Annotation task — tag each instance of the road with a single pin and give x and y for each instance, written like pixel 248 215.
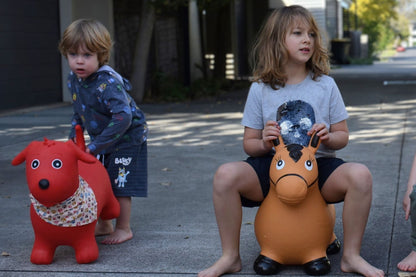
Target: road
pixel 175 228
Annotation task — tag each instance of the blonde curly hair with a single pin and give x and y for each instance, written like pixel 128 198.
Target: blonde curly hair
pixel 88 33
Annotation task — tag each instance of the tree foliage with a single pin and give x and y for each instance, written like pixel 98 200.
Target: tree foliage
pixel 375 19
pixel 375 10
pixel 401 27
pixel 407 9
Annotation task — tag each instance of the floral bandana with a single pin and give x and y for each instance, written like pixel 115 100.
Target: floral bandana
pixel 79 209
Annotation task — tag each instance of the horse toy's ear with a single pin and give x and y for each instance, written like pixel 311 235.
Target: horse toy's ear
pixel 314 142
pixel 278 142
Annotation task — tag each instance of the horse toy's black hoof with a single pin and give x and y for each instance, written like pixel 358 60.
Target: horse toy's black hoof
pixel 317 267
pixel 334 247
pixel 266 266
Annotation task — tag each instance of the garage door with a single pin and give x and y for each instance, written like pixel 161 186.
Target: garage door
pixel 30 70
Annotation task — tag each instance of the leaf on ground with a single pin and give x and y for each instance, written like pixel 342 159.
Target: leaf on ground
pixel 407 274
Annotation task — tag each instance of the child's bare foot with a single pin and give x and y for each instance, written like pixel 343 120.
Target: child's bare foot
pixel 357 264
pixel 222 266
pixel 408 263
pixel 118 236
pixel 103 228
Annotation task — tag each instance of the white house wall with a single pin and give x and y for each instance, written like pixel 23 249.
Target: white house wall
pixel 316 7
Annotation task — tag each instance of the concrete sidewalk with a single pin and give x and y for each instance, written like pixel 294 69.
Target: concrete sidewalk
pixel 175 228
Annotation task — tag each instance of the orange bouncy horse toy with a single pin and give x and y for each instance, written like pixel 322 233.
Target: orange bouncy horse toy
pixel 294 225
pixel 69 191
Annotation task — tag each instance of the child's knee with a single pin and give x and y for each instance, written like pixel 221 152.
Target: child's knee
pixel 361 177
pixel 362 172
pixel 224 176
pixel 223 172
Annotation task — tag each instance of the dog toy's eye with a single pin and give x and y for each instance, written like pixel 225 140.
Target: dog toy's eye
pixel 57 164
pixel 35 164
pixel 280 164
pixel 309 165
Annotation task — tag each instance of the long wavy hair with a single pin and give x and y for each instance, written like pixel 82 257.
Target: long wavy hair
pixel 269 53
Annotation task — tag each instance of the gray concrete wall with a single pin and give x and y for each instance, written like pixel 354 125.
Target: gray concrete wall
pixel 71 10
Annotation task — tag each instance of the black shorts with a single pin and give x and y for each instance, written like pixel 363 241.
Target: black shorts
pixel 262 166
pixel 127 169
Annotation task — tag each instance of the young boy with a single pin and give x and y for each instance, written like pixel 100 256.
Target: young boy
pixel 116 126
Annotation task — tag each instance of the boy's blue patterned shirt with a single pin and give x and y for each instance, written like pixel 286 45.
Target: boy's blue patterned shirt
pixel 103 107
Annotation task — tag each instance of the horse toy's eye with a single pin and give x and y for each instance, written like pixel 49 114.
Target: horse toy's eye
pixel 57 164
pixel 35 164
pixel 309 165
pixel 280 164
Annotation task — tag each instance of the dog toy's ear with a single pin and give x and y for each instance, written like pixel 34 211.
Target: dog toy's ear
pixel 21 157
pixel 81 155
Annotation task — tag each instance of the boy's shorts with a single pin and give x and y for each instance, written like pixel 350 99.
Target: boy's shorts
pixel 262 166
pixel 127 169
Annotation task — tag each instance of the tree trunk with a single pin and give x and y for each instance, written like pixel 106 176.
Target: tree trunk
pixel 222 40
pixel 141 52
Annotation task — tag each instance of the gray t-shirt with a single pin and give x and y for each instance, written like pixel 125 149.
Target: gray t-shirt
pixel 323 95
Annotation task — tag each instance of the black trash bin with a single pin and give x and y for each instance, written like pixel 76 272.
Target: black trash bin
pixel 340 49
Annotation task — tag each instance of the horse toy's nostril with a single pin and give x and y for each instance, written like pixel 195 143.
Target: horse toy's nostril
pixel 44 184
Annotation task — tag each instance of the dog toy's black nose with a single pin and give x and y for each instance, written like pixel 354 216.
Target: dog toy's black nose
pixel 44 184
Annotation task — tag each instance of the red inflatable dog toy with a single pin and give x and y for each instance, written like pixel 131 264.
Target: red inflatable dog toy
pixel 69 190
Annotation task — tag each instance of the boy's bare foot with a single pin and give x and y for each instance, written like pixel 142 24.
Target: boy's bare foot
pixel 118 236
pixel 103 228
pixel 408 263
pixel 222 266
pixel 357 264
